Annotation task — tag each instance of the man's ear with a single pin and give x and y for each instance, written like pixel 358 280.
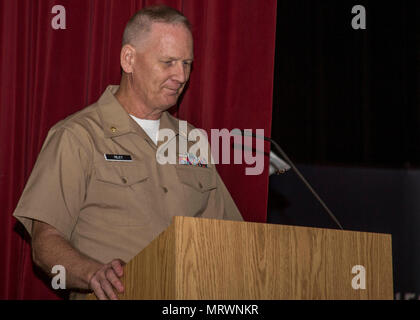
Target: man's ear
pixel 127 57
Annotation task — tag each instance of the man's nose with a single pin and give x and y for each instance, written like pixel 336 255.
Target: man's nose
pixel 180 72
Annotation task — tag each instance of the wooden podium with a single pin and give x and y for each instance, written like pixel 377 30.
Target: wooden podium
pixel 197 258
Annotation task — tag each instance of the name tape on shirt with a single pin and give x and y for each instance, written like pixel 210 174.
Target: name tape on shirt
pixel 117 157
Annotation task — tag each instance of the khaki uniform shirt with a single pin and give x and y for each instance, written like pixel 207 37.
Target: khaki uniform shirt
pixel 113 209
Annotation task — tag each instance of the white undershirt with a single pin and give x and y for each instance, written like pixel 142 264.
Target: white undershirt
pixel 151 127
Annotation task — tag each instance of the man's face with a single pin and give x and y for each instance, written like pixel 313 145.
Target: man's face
pixel 162 65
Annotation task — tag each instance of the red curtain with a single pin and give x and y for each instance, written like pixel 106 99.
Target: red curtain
pixel 48 74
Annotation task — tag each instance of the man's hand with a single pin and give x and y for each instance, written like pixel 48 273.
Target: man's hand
pixel 106 279
pixel 50 248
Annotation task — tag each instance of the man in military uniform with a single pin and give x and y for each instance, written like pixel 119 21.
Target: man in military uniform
pixel 97 194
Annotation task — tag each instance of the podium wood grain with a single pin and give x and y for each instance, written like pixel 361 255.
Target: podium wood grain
pixel 198 258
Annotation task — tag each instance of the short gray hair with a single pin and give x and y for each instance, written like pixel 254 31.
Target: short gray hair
pixel 141 21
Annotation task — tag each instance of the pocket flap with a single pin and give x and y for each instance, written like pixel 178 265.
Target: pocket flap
pixel 201 179
pixel 123 175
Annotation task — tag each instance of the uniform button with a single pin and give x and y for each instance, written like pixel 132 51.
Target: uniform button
pixel 124 180
pixel 113 129
pixel 165 189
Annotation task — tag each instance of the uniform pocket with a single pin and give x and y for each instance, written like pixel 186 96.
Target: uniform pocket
pixel 123 175
pixel 121 194
pixel 197 184
pixel 200 179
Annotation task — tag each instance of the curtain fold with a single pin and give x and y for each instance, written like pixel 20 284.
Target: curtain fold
pixel 48 74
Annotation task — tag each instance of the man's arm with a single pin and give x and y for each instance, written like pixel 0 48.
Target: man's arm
pixel 49 248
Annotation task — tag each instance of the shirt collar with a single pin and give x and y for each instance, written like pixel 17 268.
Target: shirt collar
pixel 116 121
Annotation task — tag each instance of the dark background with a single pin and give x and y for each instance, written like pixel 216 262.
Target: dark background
pixel 346 111
pixel 346 96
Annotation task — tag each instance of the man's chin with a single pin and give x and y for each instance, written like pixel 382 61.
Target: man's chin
pixel 171 100
pixel 168 104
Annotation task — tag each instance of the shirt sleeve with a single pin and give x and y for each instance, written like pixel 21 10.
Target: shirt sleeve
pixel 56 187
